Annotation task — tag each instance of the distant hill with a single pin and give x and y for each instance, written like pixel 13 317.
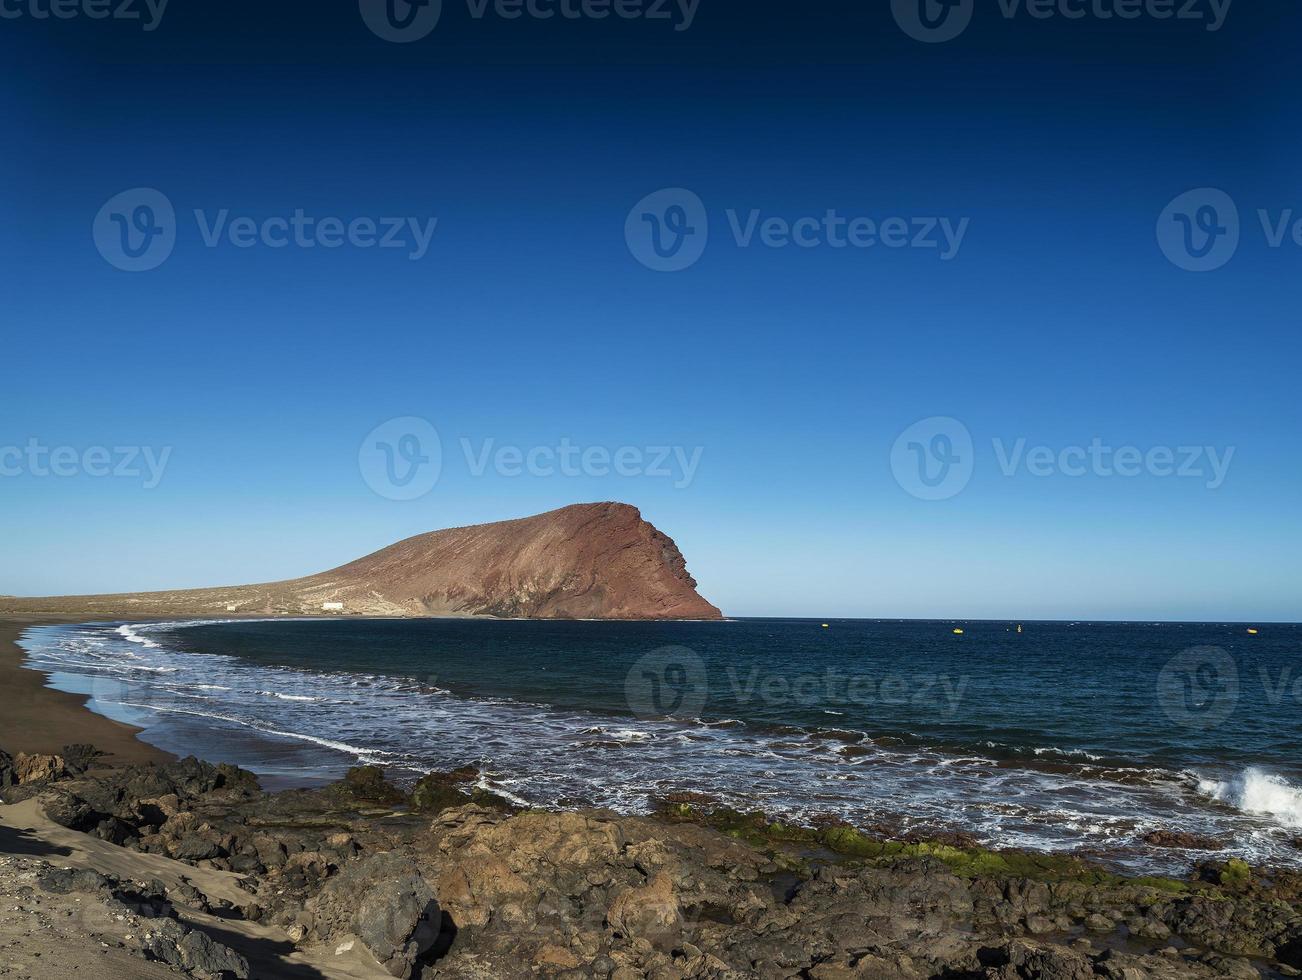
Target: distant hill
pixel 586 561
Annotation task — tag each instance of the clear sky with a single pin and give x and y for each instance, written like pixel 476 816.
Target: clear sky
pixel 529 319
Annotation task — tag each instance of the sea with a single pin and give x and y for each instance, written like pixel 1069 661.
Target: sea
pixel 1050 736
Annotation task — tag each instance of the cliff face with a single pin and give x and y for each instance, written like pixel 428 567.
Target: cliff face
pixel 587 561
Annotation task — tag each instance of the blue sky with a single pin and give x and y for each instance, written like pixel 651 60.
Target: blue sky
pixel 529 321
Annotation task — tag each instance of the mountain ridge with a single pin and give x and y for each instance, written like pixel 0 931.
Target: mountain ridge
pixel 585 561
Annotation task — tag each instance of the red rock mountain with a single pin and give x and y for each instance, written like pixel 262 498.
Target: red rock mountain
pixel 586 561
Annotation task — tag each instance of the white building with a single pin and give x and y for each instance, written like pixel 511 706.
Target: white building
pixel 332 606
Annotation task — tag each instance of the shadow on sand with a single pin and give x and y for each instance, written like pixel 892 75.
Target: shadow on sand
pixel 16 841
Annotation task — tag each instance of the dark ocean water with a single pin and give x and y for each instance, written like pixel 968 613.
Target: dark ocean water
pixel 1059 736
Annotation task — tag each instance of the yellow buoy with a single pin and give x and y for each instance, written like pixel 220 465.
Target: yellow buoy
pixel 826 626
pixel 1252 632
pixel 958 632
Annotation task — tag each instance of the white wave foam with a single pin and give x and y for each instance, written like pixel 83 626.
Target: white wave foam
pixel 363 754
pixel 1069 753
pixel 483 784
pixel 289 697
pixel 1260 792
pixel 129 634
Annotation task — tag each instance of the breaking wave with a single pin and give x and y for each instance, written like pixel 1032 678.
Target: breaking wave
pixel 1259 792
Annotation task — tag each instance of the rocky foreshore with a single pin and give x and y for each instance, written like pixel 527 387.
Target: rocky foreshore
pixel 444 880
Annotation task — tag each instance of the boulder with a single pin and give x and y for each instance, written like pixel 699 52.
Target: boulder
pixel 193 951
pixel 382 902
pixel 29 769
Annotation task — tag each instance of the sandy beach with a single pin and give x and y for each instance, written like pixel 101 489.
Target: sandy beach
pixel 36 719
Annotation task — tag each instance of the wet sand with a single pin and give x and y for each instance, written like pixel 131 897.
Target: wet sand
pixel 34 718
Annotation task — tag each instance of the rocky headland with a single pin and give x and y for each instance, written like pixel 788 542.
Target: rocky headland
pixel 586 561
pixel 192 867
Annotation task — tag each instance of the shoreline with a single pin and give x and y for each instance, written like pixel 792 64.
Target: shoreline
pixel 635 891
pixel 40 720
pixel 44 720
pixel 444 881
